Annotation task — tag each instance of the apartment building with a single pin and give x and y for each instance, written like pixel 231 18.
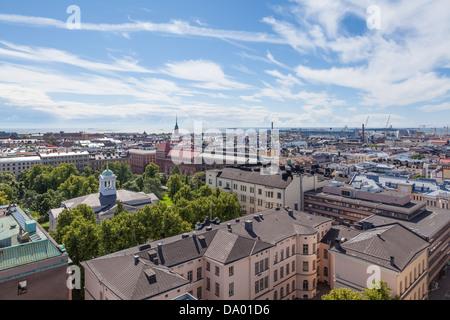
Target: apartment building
pixel 432 225
pixel 140 159
pixel 352 258
pixel 18 164
pixel 346 203
pixel 79 159
pixel 433 193
pixel 97 161
pixel 271 255
pixel 258 191
pixel 32 265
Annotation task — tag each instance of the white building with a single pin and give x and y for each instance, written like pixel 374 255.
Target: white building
pixel 18 164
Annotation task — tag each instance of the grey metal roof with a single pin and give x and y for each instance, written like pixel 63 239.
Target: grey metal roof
pixel 379 244
pixel 428 223
pixel 130 279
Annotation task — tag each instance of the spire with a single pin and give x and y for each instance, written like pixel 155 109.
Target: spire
pixel 176 123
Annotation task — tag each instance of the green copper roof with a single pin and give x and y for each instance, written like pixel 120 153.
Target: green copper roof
pixel 107 173
pixel 30 252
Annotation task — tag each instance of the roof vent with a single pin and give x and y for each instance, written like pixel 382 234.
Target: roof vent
pixel 237 220
pixel 229 225
pixel 208 228
pixel 249 225
pixel 184 235
pixel 136 259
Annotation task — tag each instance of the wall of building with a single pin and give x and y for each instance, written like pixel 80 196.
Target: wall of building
pixel 50 284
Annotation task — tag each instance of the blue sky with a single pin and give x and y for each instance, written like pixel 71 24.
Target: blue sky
pixel 133 65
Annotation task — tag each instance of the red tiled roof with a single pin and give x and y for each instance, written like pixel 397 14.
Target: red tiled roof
pixel 165 146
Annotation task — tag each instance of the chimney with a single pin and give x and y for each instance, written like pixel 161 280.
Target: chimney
pixel 249 225
pixel 296 206
pixel 260 216
pixel 291 212
pixel 136 259
pixel 392 261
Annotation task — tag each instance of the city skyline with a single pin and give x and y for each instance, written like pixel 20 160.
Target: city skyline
pixel 135 66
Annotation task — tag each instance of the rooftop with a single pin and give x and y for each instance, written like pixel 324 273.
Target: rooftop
pixel 22 241
pixel 226 242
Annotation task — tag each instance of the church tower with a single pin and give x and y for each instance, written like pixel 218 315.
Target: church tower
pixel 176 131
pixel 107 185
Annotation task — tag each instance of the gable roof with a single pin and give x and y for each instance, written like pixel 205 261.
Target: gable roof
pixel 380 244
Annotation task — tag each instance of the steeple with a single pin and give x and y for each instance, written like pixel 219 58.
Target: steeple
pixel 176 123
pixel 107 183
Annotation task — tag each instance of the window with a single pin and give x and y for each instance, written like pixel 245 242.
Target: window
pixel 314 248
pixel 293 285
pixel 199 293
pixel 281 292
pixel 281 272
pixel 275 295
pixel 305 285
pixel 325 253
pixel 22 288
pixel 231 289
pixel 325 271
pixel 288 288
pixel 231 271
pixel 279 195
pixel 287 269
pixel 208 284
pixel 189 275
pixel 282 255
pixel 314 265
pixel 217 271
pixel 293 266
pixel 220 183
pixel 305 266
pixel 260 191
pixel 275 276
pixel 217 291
pixel 305 249
pixel 208 266
pixel 293 249
pixel 287 252
pixel 275 260
pixel 199 273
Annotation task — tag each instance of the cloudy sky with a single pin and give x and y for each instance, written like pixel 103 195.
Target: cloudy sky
pixel 134 65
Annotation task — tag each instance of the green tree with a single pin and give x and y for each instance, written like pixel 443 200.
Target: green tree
pixel 342 294
pixel 46 201
pixel 379 291
pixel 123 231
pixel 153 185
pixel 77 186
pixel 174 185
pixel 120 208
pixel 151 170
pixel 82 240
pixel 122 171
pixel 66 217
pixel 175 170
pixel 184 193
pixel 198 180
pixel 3 199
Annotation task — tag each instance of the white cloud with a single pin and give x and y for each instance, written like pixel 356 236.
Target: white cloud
pixel 206 74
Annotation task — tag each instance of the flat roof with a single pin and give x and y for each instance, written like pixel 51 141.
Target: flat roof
pixel 428 223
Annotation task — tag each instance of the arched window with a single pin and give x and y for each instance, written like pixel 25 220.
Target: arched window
pixel 288 288
pixel 275 295
pixel 305 285
pixel 281 293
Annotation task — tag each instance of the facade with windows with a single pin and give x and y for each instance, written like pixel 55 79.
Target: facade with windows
pixel 271 256
pixel 257 191
pixel 18 164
